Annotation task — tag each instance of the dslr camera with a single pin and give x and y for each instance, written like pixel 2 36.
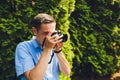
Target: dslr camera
pixel 64 38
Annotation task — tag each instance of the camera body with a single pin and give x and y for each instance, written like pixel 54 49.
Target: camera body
pixel 64 38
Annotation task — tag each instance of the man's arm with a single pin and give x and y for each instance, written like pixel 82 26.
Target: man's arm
pixel 63 64
pixel 37 73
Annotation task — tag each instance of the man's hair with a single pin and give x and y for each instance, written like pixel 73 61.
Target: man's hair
pixel 41 18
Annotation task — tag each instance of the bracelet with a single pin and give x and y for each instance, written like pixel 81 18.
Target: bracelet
pixel 58 51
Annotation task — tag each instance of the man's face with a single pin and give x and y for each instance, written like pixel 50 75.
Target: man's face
pixel 44 30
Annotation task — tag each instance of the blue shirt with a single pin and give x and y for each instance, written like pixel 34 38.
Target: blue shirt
pixel 27 55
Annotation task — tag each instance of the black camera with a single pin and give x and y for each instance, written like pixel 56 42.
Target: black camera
pixel 64 38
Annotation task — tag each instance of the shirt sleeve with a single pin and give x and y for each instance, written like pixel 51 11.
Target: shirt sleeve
pixel 23 60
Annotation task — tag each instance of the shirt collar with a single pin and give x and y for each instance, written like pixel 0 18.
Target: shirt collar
pixel 35 43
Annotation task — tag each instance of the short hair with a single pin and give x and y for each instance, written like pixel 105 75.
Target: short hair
pixel 41 18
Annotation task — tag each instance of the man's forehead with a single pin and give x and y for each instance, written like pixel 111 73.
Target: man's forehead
pixel 48 27
pixel 46 31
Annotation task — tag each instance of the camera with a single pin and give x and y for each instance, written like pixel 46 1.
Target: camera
pixel 64 38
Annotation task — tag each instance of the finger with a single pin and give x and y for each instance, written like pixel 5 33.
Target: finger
pixel 58 37
pixel 58 45
pixel 54 36
pixel 58 41
pixel 49 34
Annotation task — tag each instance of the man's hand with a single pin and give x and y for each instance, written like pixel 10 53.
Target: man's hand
pixel 58 46
pixel 54 41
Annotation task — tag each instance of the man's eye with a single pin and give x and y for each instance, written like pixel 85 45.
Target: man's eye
pixel 46 33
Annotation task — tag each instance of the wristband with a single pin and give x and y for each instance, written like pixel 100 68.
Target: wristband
pixel 58 51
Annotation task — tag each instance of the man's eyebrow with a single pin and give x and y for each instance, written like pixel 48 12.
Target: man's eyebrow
pixel 46 32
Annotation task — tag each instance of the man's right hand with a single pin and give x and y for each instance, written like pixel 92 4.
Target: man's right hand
pixel 51 41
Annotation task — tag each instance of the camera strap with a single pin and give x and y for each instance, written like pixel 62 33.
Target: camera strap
pixel 51 57
pixel 43 43
pixel 52 51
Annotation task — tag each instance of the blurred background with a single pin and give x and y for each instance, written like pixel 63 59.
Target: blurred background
pixel 93 27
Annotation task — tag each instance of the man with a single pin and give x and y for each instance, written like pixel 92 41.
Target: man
pixel 41 58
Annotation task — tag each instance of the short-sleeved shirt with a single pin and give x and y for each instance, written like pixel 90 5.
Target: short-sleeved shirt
pixel 26 57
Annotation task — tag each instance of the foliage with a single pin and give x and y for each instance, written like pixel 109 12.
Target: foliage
pixel 94 33
pixel 116 44
pixel 92 28
pixel 15 16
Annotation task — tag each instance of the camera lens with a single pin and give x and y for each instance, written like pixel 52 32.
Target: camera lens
pixel 64 38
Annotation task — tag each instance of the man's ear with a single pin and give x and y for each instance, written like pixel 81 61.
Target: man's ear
pixel 34 30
